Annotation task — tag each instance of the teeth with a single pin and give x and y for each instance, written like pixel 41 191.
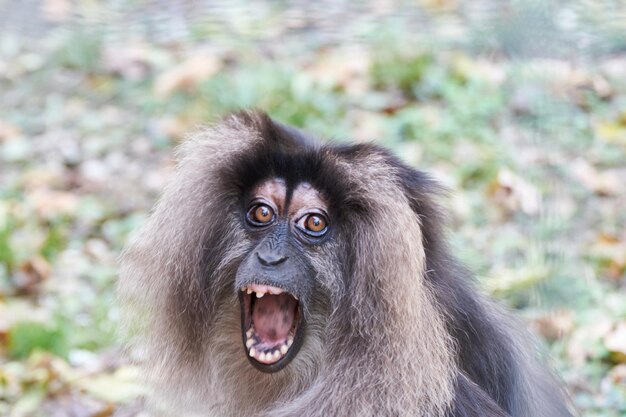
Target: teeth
pixel 249 343
pixel 250 332
pixel 262 356
pixel 289 341
pixel 276 355
pixel 284 349
pixel 252 352
pixel 264 290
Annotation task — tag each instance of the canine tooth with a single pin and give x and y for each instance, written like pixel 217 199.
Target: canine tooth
pixel 249 343
pixel 259 294
pixel 289 341
pixel 252 352
pixel 284 349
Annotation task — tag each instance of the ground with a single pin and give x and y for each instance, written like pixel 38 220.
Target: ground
pixel 520 110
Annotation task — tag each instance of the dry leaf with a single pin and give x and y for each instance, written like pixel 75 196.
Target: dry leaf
pixel 56 10
pixel 439 5
pixel 581 346
pixel 615 342
pixel 120 387
pixel 554 325
pixel 515 193
pixel 600 182
pixel 107 411
pixel 49 203
pixel 612 250
pixel 613 130
pixel 602 87
pixel 131 62
pixel 22 310
pixel 482 69
pixel 618 374
pixel 8 131
pixel 188 74
pixel 346 67
pixel 32 273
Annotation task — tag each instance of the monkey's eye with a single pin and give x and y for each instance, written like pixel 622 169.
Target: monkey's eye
pixel 260 215
pixel 313 224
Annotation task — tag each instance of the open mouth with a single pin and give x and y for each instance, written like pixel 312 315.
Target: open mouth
pixel 271 323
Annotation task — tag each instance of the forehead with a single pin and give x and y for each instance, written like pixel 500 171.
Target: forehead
pixel 294 197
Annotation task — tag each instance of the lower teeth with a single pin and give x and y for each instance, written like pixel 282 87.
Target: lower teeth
pixel 271 355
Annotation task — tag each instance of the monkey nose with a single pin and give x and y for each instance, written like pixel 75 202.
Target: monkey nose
pixel 268 258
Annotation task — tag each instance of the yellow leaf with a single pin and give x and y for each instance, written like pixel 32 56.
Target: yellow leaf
pixel 120 387
pixel 612 131
pixel 187 75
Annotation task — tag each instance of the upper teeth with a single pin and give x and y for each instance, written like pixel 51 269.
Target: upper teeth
pixel 261 290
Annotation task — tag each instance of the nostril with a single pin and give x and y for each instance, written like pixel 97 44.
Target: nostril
pixel 271 259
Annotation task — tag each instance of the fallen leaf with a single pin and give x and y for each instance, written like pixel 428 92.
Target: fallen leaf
pixel 347 67
pixel 8 131
pixel 602 87
pixel 119 387
pixel 105 412
pixel 514 193
pixel 31 275
pixel 51 203
pixel 131 62
pixel 29 402
pixel 612 251
pixel 600 182
pixel 587 340
pixel 188 74
pixel 615 342
pixel 439 5
pixel 56 10
pixel 554 325
pixel 614 67
pixel 618 374
pixel 612 131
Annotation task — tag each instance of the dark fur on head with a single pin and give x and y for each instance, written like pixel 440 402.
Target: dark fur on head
pixel 394 327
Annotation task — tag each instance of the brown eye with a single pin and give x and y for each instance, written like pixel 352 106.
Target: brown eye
pixel 315 223
pixel 261 215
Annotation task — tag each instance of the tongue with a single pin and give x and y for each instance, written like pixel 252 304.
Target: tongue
pixel 273 316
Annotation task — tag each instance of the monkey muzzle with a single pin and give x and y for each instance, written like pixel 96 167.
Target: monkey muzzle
pixel 271 325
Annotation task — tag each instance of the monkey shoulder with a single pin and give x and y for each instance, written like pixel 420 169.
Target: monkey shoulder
pixel 472 401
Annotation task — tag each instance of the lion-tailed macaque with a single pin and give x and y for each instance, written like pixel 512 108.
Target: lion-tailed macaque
pixel 281 276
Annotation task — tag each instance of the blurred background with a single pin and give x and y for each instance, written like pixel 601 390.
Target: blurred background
pixel 519 107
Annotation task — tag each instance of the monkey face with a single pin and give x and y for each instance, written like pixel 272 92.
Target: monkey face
pixel 276 279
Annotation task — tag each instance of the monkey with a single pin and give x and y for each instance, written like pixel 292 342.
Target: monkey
pixel 281 275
